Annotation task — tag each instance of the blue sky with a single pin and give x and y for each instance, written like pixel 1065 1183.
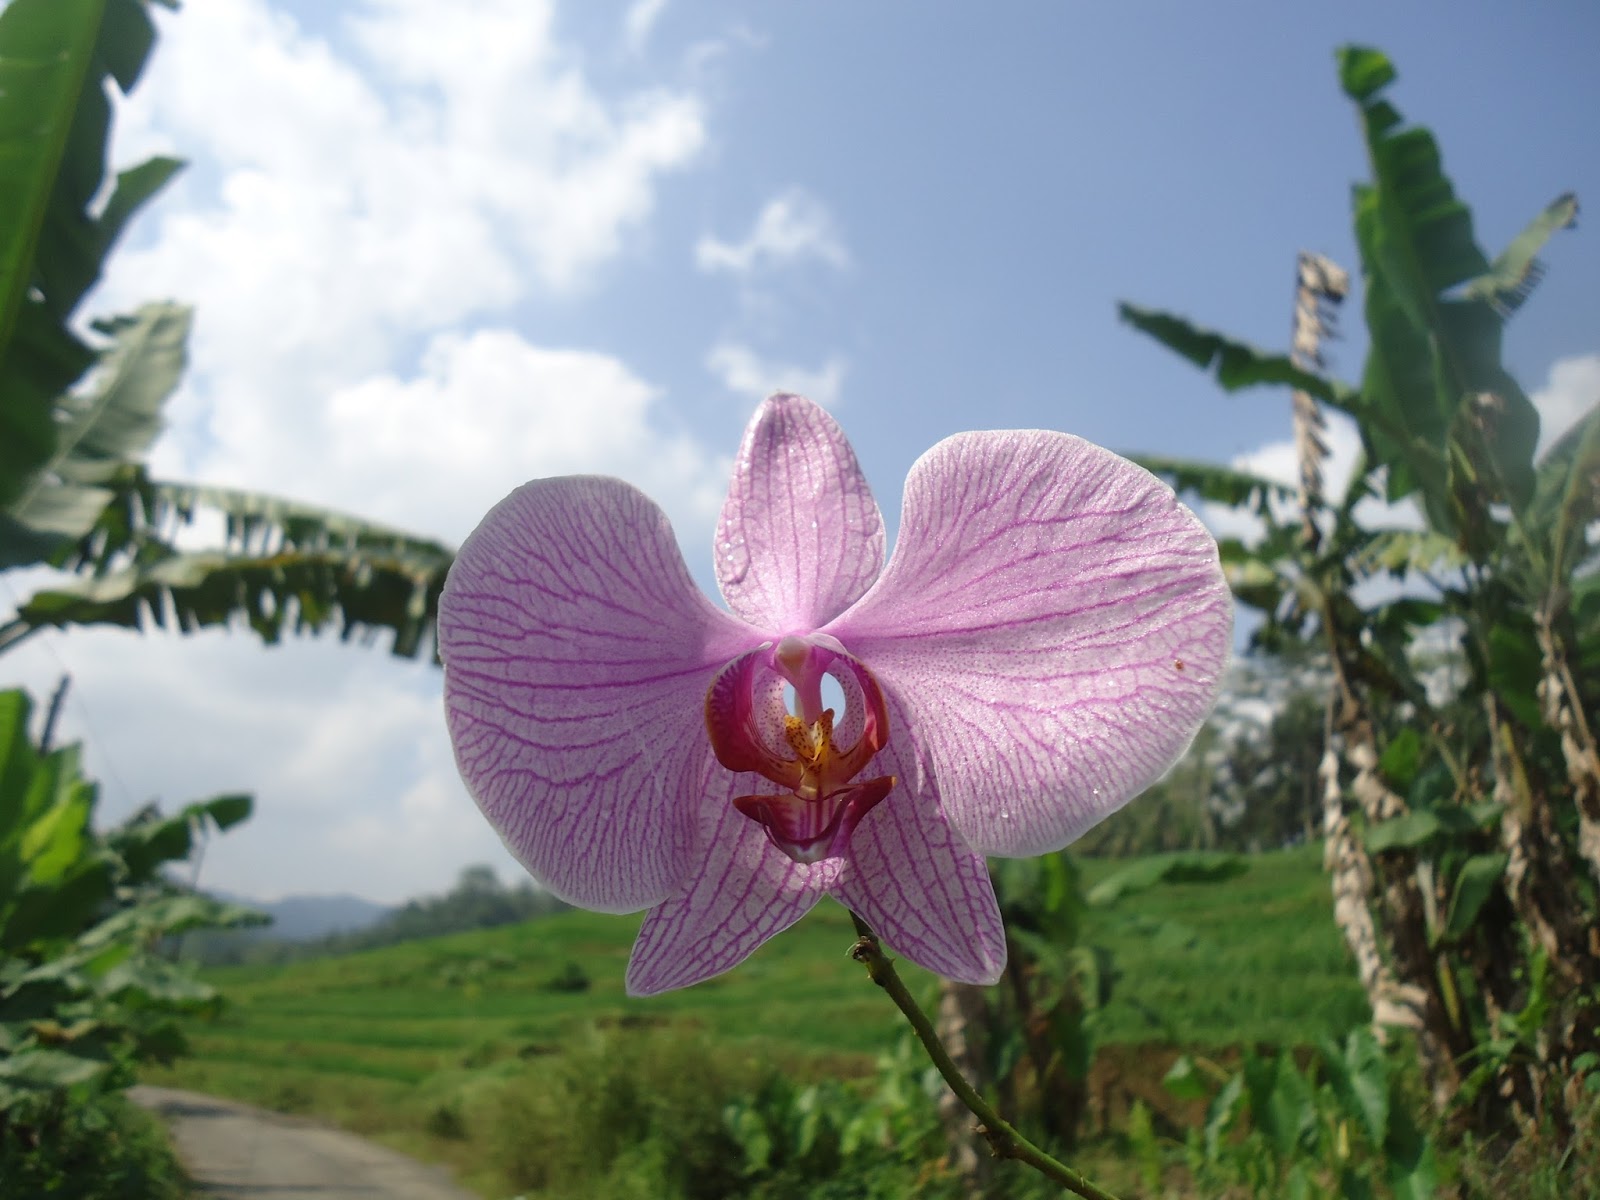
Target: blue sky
pixel 436 250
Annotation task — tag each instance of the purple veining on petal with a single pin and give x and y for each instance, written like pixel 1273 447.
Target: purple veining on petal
pixel 577 652
pixel 800 536
pixel 1047 639
pixel 744 891
pixel 1055 624
pixel 910 877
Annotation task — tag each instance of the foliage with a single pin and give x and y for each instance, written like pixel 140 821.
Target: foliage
pixel 878 1138
pixel 85 991
pixel 57 58
pixel 1545 1163
pixel 619 1114
pixel 1475 836
pixel 102 1149
pixel 651 1114
pixel 1340 1126
pixel 80 409
pixel 1042 1023
pixel 280 566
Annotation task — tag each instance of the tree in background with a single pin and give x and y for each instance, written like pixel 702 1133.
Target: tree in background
pixel 1472 824
pixel 1249 781
pixel 79 409
pixel 85 989
pixel 478 901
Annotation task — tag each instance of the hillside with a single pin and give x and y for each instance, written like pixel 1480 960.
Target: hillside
pixel 385 1041
pixel 305 918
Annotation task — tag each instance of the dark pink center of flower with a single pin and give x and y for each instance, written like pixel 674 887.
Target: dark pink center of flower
pixel 753 730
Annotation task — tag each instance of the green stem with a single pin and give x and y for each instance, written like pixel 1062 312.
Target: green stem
pixel 1003 1138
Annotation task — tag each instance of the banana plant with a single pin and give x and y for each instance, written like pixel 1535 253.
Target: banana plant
pixel 1477 807
pixel 79 412
pixel 1341 1128
pixel 1041 1021
pixel 85 988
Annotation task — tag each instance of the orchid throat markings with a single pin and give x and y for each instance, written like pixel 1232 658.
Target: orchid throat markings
pixel 751 730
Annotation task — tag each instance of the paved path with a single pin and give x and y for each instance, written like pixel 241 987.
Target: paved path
pixel 235 1152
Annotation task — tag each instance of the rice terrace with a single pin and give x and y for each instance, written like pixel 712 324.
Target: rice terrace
pixel 440 1048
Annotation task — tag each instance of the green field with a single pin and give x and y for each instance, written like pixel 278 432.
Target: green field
pixel 385 1041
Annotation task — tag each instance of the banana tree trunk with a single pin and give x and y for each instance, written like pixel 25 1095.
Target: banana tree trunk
pixel 1563 712
pixel 963 1025
pixel 1350 871
pixel 1442 1039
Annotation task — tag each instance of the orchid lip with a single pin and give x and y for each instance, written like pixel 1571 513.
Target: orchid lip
pixel 819 807
pixel 809 831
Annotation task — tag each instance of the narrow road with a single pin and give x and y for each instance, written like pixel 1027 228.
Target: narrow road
pixel 235 1152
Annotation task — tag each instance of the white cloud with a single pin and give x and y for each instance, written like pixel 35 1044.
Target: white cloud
pixel 454 150
pixel 344 205
pixel 639 21
pixel 790 228
pixel 352 209
pixel 1572 389
pixel 343 748
pixel 361 216
pixel 1279 461
pixel 743 371
pixel 486 412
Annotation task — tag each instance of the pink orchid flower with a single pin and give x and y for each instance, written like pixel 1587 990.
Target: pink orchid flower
pixel 1043 644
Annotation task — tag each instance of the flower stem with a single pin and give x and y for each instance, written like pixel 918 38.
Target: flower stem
pixel 1003 1138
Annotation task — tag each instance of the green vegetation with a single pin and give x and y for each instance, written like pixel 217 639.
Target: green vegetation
pixel 1262 958
pixel 1466 851
pixel 85 991
pixel 101 1149
pixel 405 1043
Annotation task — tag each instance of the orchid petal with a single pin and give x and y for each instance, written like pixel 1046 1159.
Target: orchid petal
pixel 1054 622
pixel 577 652
pixel 911 878
pixel 745 890
pixel 800 537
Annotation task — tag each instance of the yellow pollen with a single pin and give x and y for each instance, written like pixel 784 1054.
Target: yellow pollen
pixel 799 738
pixel 813 746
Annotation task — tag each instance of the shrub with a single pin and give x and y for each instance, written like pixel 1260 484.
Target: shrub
pixel 622 1113
pixel 101 1149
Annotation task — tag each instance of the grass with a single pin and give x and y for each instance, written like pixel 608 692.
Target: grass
pixel 398 1043
pixel 1256 959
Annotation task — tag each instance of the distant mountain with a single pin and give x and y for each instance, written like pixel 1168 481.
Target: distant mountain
pixel 306 918
pixel 313 926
